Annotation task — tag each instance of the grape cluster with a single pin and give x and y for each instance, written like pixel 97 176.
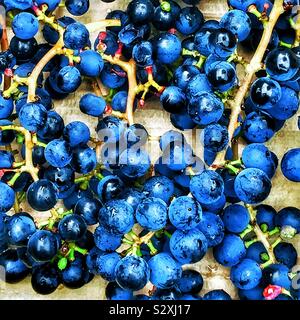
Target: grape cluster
pixel 113 212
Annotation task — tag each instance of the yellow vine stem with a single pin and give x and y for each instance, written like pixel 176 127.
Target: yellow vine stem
pixel 130 68
pixel 58 49
pixel 254 65
pixel 28 166
pixel 262 237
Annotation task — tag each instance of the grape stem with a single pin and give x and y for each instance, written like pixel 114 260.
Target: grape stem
pixel 58 49
pixel 28 166
pixel 130 68
pixel 262 237
pixel 254 65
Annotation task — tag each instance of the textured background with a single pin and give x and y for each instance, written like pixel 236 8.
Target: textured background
pixel 284 193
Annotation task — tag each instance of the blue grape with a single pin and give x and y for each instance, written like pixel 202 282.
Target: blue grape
pixel 185 213
pixel 159 187
pixel 207 187
pixel 265 216
pixel 132 273
pixel 191 282
pixel 167 48
pixel 237 22
pixel 205 108
pixel 117 217
pixel 217 295
pixel 285 253
pixel 252 186
pixel 76 133
pixel 91 63
pixel 215 137
pixel 32 116
pixel 212 226
pixel 151 214
pixel 257 252
pixel 246 275
pixel 72 227
pixel 188 246
pixel 230 251
pixel 189 21
pixel 25 25
pixel 105 240
pixel 84 159
pixel 58 153
pixel 290 165
pixel 76 36
pixel 77 7
pixel 164 271
pixel 92 105
pixel 258 156
pixel 236 218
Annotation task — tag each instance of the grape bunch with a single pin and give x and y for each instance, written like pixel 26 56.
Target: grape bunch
pixel 108 209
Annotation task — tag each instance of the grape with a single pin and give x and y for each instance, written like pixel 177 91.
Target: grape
pixel 222 42
pixel 159 187
pixel 252 186
pixel 290 165
pixel 140 11
pixel 77 7
pixel 276 274
pixel 173 99
pixel 207 187
pixel 52 128
pixel 106 265
pixel 257 252
pixel 165 271
pixel 266 216
pixel 287 106
pixel 109 188
pixel 191 281
pixel 84 159
pixel 164 19
pixel 45 279
pixel 237 22
pixel 221 75
pixel 105 240
pixel 52 4
pixel 25 25
pixel 15 269
pixel 136 135
pixel 185 213
pixel 7 197
pixel 205 108
pixel 151 214
pixel 76 133
pixel 76 36
pixel 117 217
pixel 282 64
pixel 190 20
pixel 188 246
pixel 58 153
pixel 118 15
pixel 285 253
pixel 236 218
pixel 41 195
pixel 33 116
pixel 289 217
pixel 167 48
pixel 20 222
pixel 265 93
pixel 197 85
pixel 212 226
pixel 258 156
pixel 114 292
pixel 246 275
pixel 75 275
pixel 183 75
pixel 217 295
pixel 72 227
pixel 91 63
pixel 92 105
pixel 42 246
pixel 132 273
pixel 230 251
pixel 63 179
pixel 23 50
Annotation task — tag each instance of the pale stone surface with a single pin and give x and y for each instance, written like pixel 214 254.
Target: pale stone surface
pixel 284 193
